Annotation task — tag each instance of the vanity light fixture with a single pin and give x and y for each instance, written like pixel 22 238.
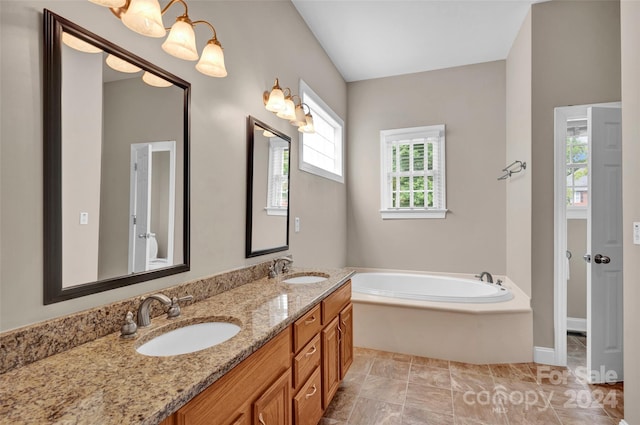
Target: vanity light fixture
pixel 145 17
pixel 154 80
pixel 80 45
pixel 274 100
pixel 289 111
pixel 121 65
pixel 282 103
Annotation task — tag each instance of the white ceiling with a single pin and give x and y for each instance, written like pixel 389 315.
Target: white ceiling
pixel 379 38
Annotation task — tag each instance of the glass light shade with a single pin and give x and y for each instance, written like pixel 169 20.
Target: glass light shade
pixel 267 133
pixel 309 128
pixel 154 80
pixel 110 3
pixel 289 111
pixel 211 62
pixel 300 117
pixel 121 65
pixel 276 100
pixel 144 17
pixel 181 41
pixel 79 45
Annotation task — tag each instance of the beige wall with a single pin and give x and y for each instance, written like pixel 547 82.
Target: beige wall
pixel 470 101
pixel 256 52
pixel 82 129
pixel 577 283
pixel 630 31
pixel 575 60
pixel 518 125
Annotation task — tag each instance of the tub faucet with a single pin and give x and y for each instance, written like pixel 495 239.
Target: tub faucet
pixel 487 274
pixel 279 265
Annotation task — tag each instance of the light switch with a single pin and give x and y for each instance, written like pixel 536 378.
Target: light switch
pixel 297 224
pixel 636 233
pixel 84 218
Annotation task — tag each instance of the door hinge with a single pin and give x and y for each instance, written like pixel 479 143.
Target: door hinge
pixel 135 166
pixel 135 220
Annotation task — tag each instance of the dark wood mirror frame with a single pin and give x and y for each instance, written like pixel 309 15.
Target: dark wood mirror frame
pixel 251 124
pixel 54 25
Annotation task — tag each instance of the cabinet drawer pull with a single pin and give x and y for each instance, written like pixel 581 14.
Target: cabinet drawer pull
pixel 261 419
pixel 312 392
pixel 312 351
pixel 310 320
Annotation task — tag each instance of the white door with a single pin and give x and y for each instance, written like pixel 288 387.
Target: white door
pixel 140 201
pixel 604 245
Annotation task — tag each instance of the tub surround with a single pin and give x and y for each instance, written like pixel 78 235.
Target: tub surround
pixel 106 381
pixel 480 333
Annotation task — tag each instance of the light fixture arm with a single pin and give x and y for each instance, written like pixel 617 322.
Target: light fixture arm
pixel 213 30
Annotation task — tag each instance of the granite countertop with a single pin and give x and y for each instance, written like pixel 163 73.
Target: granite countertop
pixel 106 381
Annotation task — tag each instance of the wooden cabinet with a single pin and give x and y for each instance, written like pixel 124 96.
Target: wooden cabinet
pixel 346 340
pixel 337 341
pixel 229 401
pixel 274 406
pixel 290 380
pixel 330 361
pixel 307 404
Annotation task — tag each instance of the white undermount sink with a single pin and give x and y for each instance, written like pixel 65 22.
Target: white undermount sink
pixel 188 339
pixel 306 279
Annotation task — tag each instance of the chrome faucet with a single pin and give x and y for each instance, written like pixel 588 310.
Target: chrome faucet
pixel 487 274
pixel 172 303
pixel 283 262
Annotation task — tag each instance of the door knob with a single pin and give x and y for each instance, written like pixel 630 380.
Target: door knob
pixel 601 259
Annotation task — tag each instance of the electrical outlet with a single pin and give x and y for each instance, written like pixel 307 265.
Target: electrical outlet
pixel 636 233
pixel 297 224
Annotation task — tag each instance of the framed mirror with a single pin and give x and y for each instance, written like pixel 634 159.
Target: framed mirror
pixel 267 189
pixel 116 165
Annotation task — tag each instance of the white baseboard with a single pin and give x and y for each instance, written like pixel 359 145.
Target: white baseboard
pixel 623 422
pixel 576 325
pixel 544 355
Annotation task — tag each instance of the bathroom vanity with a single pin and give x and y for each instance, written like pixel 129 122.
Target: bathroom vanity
pixel 301 368
pixel 282 368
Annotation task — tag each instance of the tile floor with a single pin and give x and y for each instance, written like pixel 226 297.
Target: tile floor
pixel 397 389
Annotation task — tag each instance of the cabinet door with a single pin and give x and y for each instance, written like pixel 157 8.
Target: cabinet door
pixel 330 362
pixel 346 340
pixel 274 406
pixel 307 404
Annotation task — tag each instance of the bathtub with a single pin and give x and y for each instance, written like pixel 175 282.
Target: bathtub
pixel 429 288
pixel 444 316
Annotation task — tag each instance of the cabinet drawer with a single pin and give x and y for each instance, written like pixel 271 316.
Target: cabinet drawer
pixel 306 328
pixel 306 361
pixel 335 302
pixel 307 404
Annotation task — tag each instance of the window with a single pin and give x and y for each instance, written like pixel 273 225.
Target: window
pixel 278 189
pixel 577 171
pixel 413 172
pixel 321 152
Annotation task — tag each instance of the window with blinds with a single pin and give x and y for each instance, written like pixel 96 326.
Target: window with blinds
pixel 413 172
pixel 278 182
pixel 321 153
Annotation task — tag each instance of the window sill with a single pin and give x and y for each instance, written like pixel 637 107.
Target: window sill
pixel 403 214
pixel 276 211
pixel 577 213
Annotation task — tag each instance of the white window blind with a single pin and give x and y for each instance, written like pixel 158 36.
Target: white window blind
pixel 413 172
